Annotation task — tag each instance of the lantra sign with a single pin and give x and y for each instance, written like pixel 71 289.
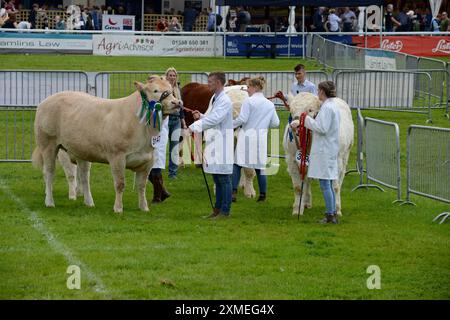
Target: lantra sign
pixel 117 22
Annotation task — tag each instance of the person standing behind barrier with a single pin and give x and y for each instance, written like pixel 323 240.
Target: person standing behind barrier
pixel 190 14
pixel 389 19
pixel 257 115
pixel 348 18
pixel 218 157
pixel 325 147
pixel 333 21
pixel 176 122
pixel 159 143
pixel 445 22
pixel 302 84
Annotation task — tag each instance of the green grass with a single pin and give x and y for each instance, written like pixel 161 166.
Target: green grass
pixel 261 252
pixel 100 63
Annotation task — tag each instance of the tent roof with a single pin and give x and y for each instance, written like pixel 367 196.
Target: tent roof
pixel 285 3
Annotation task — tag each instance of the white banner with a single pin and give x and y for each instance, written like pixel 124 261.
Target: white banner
pixel 124 45
pixel 380 60
pixel 117 22
pixel 46 42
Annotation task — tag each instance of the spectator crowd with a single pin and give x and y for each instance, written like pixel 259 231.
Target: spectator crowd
pixel 237 20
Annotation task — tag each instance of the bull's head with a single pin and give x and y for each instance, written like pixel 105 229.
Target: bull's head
pixel 304 102
pixel 158 89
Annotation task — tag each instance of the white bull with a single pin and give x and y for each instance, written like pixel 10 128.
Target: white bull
pixel 92 129
pixel 307 102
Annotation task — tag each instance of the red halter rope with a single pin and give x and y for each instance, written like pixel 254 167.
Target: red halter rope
pixel 304 135
pixel 280 96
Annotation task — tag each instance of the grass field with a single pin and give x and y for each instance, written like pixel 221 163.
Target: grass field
pixel 261 252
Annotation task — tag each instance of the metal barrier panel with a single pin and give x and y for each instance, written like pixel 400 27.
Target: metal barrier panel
pixel 278 80
pixel 385 90
pixel 16 132
pixel 448 90
pixel 117 84
pixel 428 154
pixel 359 147
pixel 29 88
pixel 383 153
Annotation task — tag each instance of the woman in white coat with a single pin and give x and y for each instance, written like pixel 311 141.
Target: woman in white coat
pixel 256 117
pixel 325 147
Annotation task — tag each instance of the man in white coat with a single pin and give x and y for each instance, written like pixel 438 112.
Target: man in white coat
pixel 325 147
pixel 256 117
pixel 218 155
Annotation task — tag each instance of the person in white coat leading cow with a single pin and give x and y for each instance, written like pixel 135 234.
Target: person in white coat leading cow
pixel 218 154
pixel 325 147
pixel 256 117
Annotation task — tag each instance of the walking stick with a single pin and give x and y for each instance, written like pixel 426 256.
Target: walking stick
pixel 204 175
pixel 203 171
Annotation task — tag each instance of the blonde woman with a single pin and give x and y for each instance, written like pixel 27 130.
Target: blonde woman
pixel 176 122
pixel 256 117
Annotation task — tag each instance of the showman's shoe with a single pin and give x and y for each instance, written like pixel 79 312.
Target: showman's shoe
pixel 215 213
pixel 330 218
pixel 262 197
pixel 221 216
pixel 234 196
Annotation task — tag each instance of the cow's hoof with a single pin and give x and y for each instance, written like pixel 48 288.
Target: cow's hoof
pixel 295 213
pixel 89 204
pixel 50 205
pixel 72 197
pixel 339 213
pixel 145 209
pixel 118 210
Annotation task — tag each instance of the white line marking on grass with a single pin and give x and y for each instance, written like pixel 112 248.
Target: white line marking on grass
pixel 59 247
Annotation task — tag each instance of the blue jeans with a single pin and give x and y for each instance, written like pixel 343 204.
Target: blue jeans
pixel 262 179
pixel 223 192
pixel 328 194
pixel 174 140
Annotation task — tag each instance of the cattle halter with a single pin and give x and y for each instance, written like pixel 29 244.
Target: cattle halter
pixel 151 111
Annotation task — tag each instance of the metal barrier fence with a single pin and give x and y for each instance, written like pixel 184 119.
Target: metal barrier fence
pixel 448 91
pixel 385 90
pixel 20 93
pixel 382 154
pixel 428 164
pixel 359 146
pixel 117 84
pixel 29 88
pixel 341 56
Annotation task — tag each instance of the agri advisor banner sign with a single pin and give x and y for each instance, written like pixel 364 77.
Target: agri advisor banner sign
pixel 124 45
pixel 117 22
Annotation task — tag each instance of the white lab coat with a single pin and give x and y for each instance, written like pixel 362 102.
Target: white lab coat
pixel 160 147
pixel 217 126
pixel 256 117
pixel 325 141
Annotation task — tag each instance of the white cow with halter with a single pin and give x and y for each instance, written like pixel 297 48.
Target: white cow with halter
pixel 307 102
pixel 91 129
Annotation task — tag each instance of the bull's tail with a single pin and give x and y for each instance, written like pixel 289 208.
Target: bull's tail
pixel 37 158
